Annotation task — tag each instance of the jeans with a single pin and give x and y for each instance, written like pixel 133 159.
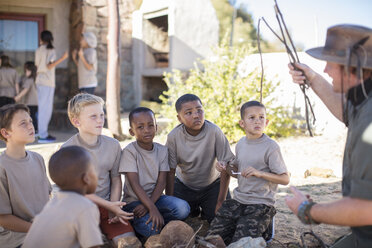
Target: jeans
pixel 205 198
pixel 170 207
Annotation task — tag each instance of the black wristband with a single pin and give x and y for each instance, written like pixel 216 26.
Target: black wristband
pixel 304 212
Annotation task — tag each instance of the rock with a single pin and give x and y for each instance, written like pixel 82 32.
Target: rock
pixel 249 242
pixel 319 172
pixel 153 242
pixel 177 234
pixel 129 242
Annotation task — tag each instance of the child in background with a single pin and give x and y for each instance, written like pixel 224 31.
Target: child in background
pixel 28 92
pixel 46 62
pixel 9 87
pixel 260 162
pixel 85 112
pixel 145 165
pixel 24 186
pixel 86 61
pixel 69 219
pixel 193 148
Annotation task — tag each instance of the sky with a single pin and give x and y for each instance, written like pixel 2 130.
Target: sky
pixel 308 20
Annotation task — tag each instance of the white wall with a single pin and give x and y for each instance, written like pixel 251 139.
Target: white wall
pixel 57 18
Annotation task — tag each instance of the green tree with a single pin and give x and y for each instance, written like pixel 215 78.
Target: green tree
pixel 223 90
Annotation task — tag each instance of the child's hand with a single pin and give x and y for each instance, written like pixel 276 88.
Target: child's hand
pixel 74 53
pixel 250 171
pixel 220 166
pixel 17 98
pixel 140 211
pixel 115 208
pixel 65 55
pixel 156 219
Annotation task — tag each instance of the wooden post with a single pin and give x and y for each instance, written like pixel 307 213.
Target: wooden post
pixel 113 70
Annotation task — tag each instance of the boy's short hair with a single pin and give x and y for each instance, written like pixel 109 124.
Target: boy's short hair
pixel 7 113
pixel 139 110
pixel 248 105
pixel 184 99
pixel 67 165
pixel 79 101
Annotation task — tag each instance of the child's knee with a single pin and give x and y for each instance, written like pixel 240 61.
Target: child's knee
pixel 182 209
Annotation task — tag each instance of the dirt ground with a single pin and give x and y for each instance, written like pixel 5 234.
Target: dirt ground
pixel 300 154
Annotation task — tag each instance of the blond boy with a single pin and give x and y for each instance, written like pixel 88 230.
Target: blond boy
pixel 24 186
pixel 86 114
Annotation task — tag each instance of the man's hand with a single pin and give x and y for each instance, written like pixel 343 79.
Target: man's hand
pixel 140 211
pixel 301 72
pixel 156 219
pixel 293 202
pixel 250 171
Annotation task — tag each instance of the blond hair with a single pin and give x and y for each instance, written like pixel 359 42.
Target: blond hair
pixel 79 101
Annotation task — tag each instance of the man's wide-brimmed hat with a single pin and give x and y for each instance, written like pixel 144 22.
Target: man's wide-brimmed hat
pixel 345 44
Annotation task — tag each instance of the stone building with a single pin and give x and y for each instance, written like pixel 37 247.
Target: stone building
pixel 180 27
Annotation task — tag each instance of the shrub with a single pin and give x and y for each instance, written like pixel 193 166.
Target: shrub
pixel 223 90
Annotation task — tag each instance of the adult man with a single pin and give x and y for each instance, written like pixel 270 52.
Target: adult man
pixel 348 52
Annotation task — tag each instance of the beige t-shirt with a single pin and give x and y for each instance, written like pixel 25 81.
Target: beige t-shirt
pixel 194 156
pixel 31 97
pixel 24 190
pixel 147 164
pixel 262 154
pixel 68 220
pixel 43 57
pixel 8 80
pixel 106 159
pixel 87 78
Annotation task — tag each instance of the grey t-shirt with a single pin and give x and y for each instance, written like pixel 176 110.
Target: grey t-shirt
pixel 87 78
pixel 147 164
pixel 31 97
pixel 194 156
pixel 8 80
pixel 24 190
pixel 106 159
pixel 68 220
pixel 262 154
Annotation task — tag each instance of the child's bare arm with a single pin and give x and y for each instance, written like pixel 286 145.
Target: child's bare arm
pixel 272 177
pixel 58 61
pixel 116 188
pixel 114 207
pixel 85 62
pixel 14 223
pixel 224 187
pixel 155 217
pixel 169 188
pixel 160 186
pixel 21 94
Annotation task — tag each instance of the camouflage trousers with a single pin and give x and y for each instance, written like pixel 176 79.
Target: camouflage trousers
pixel 234 221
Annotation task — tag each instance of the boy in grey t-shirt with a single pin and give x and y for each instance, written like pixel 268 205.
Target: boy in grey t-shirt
pixel 193 148
pixel 69 219
pixel 24 186
pixel 259 167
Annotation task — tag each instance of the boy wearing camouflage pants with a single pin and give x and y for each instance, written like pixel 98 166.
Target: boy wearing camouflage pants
pixel 259 167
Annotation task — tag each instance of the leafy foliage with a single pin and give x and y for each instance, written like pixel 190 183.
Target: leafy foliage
pixel 223 90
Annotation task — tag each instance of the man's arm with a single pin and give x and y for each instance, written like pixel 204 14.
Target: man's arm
pixel 320 86
pixel 169 189
pixel 14 223
pixel 344 212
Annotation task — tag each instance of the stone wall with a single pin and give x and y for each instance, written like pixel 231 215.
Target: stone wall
pixel 95 19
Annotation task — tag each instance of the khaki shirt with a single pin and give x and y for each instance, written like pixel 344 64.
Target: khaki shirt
pixel 87 78
pixel 30 98
pixel 24 191
pixel 43 57
pixel 8 80
pixel 147 164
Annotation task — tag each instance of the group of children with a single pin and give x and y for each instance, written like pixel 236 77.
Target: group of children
pixel 90 164
pixel 36 87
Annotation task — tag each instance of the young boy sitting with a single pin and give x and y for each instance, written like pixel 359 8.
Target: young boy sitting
pixel 86 114
pixel 145 164
pixel 69 219
pixel 262 168
pixel 193 147
pixel 24 186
